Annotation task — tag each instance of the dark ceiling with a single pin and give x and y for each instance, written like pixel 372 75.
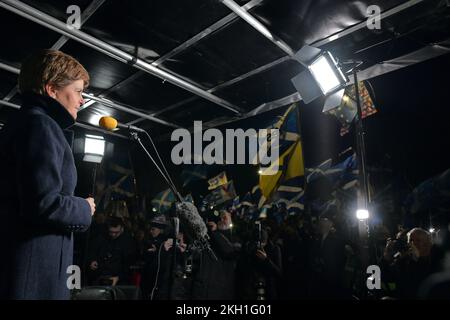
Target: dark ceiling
pixel 205 44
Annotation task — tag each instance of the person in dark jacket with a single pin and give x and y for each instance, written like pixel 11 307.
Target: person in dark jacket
pixel 111 256
pixel 213 278
pixel 259 269
pixel 327 260
pixel 152 257
pixel 38 208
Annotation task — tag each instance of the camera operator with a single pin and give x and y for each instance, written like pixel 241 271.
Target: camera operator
pixel 215 279
pixel 259 268
pixel 111 256
pixel 406 266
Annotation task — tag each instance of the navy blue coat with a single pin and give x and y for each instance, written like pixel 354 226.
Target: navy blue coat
pixel 38 210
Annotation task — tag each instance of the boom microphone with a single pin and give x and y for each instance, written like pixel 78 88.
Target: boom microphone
pixel 109 123
pixel 194 224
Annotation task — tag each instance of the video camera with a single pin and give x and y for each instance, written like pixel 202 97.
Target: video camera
pixel 256 239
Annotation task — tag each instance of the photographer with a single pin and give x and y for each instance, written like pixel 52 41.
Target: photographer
pixel 111 256
pixel 259 268
pixel 214 279
pixel 407 265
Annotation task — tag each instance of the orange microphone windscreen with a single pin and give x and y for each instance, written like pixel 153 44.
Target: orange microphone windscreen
pixel 108 123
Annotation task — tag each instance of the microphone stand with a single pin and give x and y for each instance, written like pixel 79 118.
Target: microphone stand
pixel 175 219
pixel 88 232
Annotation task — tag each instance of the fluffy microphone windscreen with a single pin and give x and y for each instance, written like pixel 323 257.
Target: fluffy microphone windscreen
pixel 108 123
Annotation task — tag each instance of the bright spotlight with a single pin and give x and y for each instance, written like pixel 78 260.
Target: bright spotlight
pixel 94 148
pixel 322 77
pixel 362 214
pixel 323 72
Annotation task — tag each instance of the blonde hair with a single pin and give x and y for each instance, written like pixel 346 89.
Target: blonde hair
pixel 50 67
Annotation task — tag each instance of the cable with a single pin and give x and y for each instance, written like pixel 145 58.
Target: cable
pixel 157 153
pixel 157 271
pixel 171 185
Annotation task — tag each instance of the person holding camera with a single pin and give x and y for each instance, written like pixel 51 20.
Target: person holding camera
pixel 214 279
pixel 259 268
pixel 111 256
pixel 406 264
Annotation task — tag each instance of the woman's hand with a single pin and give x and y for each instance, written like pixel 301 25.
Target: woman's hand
pixel 91 202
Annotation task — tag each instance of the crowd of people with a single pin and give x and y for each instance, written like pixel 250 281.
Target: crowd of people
pixel 279 255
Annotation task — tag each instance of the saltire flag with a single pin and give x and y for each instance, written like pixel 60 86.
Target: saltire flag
pixel 236 203
pixel 218 180
pixel 114 181
pixel 290 165
pixel 221 194
pixel 164 200
pixel 318 171
pixel 193 173
pixel 257 196
pixel 290 162
pixel 291 194
pixel 247 200
pixel 342 175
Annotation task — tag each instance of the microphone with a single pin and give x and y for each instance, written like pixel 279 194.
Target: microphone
pixel 109 123
pixel 194 224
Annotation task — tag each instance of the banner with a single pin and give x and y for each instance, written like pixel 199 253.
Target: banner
pixel 218 180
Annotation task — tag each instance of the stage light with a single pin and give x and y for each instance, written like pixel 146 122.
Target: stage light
pixel 94 148
pixel 322 77
pixel 323 72
pixel 432 230
pixel 362 214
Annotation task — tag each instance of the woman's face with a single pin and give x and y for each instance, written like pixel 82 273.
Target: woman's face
pixel 69 96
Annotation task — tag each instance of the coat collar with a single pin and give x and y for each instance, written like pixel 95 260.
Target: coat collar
pixel 51 107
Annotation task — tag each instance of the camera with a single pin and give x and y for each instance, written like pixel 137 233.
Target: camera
pixel 212 216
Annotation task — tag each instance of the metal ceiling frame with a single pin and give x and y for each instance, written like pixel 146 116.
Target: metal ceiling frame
pixel 427 52
pixel 104 101
pixel 85 15
pixel 318 43
pixel 204 33
pixel 56 25
pixel 185 45
pixel 233 6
